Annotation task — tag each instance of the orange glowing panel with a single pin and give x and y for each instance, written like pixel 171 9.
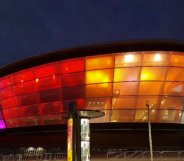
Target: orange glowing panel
pixel 4 82
pixel 99 76
pixel 10 113
pixel 175 74
pixel 128 59
pixel 99 90
pixel 177 59
pixel 126 74
pixel 124 102
pixel 155 58
pixel 150 88
pixel 45 70
pixel 172 102
pixel 142 115
pixel 125 88
pixel 99 62
pixel 174 89
pixel 167 116
pixel 153 73
pixel 154 102
pixel 71 65
pixel 21 76
pixel 7 103
pixel 122 115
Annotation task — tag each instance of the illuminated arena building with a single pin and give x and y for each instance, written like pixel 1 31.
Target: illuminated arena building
pixel 116 78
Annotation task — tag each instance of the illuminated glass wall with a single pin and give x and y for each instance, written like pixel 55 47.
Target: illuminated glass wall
pixel 118 84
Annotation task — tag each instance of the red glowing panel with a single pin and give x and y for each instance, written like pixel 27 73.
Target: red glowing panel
pixel 6 92
pixel 10 113
pixel 28 110
pixel 30 121
pixel 45 71
pixel 73 79
pixel 7 103
pixel 12 123
pixel 5 81
pixel 72 65
pixel 22 76
pixel 81 104
pixel 52 119
pixel 53 107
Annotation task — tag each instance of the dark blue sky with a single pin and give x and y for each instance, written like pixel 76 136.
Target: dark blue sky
pixel 32 27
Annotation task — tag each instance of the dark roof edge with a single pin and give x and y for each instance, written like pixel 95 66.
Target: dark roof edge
pixel 114 47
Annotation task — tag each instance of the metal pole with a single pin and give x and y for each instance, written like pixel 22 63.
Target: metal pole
pixel 149 126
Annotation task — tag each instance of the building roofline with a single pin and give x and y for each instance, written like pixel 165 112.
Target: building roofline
pixel 114 47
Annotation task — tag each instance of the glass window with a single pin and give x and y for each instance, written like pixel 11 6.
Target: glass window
pixel 126 74
pixel 73 79
pixel 128 59
pixel 12 123
pixel 125 88
pixel 30 121
pixel 155 58
pixel 71 65
pixel 153 73
pixel 98 103
pixel 174 88
pixel 99 62
pixel 172 102
pixel 50 95
pixel 99 90
pixel 28 110
pixel 122 115
pixel 27 99
pixel 10 113
pixel 52 119
pixel 123 102
pixel 73 92
pixel 2 124
pixel 8 102
pixel 53 107
pixel 21 76
pixel 177 59
pixel 25 87
pixel 4 82
pixel 6 92
pixel 175 74
pixel 99 76
pixel 47 83
pixel 154 102
pixel 45 70
pixel 105 118
pixel 150 88
pixel 142 115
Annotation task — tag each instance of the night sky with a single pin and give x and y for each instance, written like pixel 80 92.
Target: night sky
pixel 32 27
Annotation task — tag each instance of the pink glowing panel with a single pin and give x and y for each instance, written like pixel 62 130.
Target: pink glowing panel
pixel 2 124
pixel 21 76
pixel 71 65
pixel 45 70
pixel 12 123
pixel 8 102
pixel 4 82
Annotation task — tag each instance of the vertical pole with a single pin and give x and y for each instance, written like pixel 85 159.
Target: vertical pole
pixel 149 126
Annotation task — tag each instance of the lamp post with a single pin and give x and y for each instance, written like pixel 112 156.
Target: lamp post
pixel 149 127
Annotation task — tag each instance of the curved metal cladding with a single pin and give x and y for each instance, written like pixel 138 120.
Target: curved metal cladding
pixel 117 83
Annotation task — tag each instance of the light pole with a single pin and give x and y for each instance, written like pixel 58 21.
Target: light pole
pixel 149 126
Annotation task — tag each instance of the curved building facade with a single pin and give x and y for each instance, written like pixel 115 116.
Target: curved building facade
pixel 115 78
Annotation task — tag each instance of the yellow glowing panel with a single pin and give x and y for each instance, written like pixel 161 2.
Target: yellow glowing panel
pixel 175 74
pixel 123 102
pixel 126 74
pixel 153 73
pixel 99 76
pixel 99 62
pixel 125 88
pixel 122 115
pixel 150 88
pixel 177 59
pixel 156 58
pixel 154 102
pixel 128 59
pixel 172 102
pixel 174 89
pixel 99 90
